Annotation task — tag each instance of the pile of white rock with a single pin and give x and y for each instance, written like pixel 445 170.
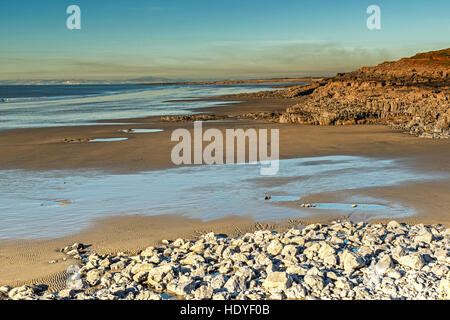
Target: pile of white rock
pixel 342 260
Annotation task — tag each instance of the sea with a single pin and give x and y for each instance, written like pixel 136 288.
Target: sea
pixel 35 106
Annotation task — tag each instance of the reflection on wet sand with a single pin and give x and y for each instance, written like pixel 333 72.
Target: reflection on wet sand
pixel 205 192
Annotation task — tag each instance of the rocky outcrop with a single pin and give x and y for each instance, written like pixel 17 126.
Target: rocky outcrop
pixel 412 94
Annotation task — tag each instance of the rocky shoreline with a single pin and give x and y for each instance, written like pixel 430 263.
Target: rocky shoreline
pixel 411 94
pixel 342 260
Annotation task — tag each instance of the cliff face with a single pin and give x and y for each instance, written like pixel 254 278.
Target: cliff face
pixel 411 93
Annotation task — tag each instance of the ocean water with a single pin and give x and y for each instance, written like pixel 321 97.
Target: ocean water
pixel 63 105
pixel 56 203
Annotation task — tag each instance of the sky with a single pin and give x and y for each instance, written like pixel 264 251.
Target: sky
pixel 211 39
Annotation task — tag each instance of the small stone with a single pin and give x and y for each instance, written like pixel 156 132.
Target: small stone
pixel 298 240
pixel 192 258
pixel 352 261
pixel 225 268
pixel 413 261
pixel 297 270
pixel 198 272
pixel 398 252
pixel 312 250
pixel 246 273
pixel 331 260
pixel 325 251
pixel 343 284
pixel 105 263
pixel 218 282
pixel 118 265
pixel 394 274
pixel 142 267
pixel 140 276
pixel 275 247
pixel 424 236
pixel 441 254
pixel 315 282
pixel 148 252
pixel 178 243
pixel 198 247
pixel 277 281
pixel 156 275
pixel 296 291
pixel 332 275
pixel 235 285
pixel 383 265
pixel 93 277
pixel 289 251
pixel 77 246
pixel 5 289
pixel 181 288
pixel 204 292
pixel 72 253
pixel 154 259
pixel 393 225
pixel 21 292
pixel 66 293
pixel 444 289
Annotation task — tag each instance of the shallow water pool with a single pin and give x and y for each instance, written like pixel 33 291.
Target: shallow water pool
pixel 108 140
pixel 30 202
pixel 141 130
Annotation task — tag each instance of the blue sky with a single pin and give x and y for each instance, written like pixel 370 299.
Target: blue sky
pixel 207 39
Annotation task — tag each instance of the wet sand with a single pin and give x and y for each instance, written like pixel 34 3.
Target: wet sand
pixel 44 149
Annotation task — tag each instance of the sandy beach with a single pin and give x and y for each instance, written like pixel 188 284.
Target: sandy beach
pixel 25 261
pixel 224 150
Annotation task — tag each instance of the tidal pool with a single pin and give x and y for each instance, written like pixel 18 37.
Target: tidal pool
pixel 30 202
pixel 108 140
pixel 141 130
pixel 353 207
